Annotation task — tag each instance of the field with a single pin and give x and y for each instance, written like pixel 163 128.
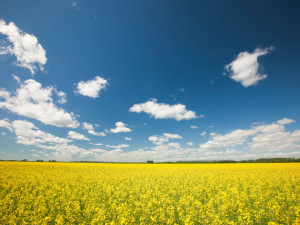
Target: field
pixel 74 193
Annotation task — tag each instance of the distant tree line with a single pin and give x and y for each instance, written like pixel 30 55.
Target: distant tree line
pixel 261 160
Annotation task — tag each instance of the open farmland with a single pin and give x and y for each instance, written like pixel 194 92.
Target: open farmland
pixel 74 193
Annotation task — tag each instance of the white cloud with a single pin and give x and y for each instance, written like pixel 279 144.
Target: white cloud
pixel 28 134
pixel 128 138
pixel 275 141
pixel 118 146
pixel 90 128
pixel 245 68
pixel 203 133
pixel 231 151
pixel 261 138
pixel 87 126
pixel 234 138
pixel 190 143
pixel 77 136
pixel 6 124
pixel 120 127
pixel 159 140
pixel 175 145
pixel 273 137
pixel 34 101
pixel 25 47
pixel 62 97
pixel 98 144
pixel 16 78
pixel 164 111
pixel 92 132
pixel 174 153
pixel 4 94
pixel 194 127
pixel 91 88
pixel 285 121
pixel 172 136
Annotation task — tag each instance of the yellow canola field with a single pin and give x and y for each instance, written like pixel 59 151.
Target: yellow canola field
pixel 82 193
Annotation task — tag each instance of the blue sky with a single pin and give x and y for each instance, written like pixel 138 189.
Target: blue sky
pixel 149 80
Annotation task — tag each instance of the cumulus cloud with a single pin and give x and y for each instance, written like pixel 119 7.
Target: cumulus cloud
pixel 53 147
pixel 92 132
pixel 77 136
pixel 25 47
pixel 245 68
pixel 90 128
pixel 175 145
pixel 203 133
pixel 190 143
pixel 6 124
pixel 91 88
pixel 285 121
pixel 273 138
pixel 194 127
pixel 28 134
pixel 34 101
pixel 118 146
pixel 164 111
pixel 4 94
pixel 174 152
pixel 172 136
pixel 160 139
pixel 260 138
pixel 234 138
pixel 120 127
pixel 87 126
pixel 128 138
pixel 62 97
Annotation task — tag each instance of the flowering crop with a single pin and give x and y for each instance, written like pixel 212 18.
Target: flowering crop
pixel 82 193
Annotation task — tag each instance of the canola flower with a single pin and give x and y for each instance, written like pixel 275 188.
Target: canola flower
pixel 75 193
